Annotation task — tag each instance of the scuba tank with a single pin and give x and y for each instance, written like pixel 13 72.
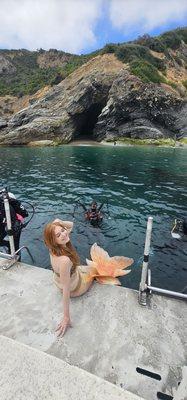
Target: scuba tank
pixel 185 226
pixel 179 228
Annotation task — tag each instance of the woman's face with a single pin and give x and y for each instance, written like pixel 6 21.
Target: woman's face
pixel 61 235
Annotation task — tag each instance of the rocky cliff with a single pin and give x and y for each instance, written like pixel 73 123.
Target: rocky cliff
pixel 69 109
pixel 141 111
pixel 103 99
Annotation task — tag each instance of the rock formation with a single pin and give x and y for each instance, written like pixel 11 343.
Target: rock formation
pixel 67 110
pixel 141 111
pixel 102 99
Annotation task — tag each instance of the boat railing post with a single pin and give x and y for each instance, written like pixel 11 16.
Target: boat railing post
pixel 8 222
pixel 143 283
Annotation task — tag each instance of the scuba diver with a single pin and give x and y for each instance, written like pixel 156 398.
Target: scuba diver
pixel 179 229
pixel 17 213
pixel 94 214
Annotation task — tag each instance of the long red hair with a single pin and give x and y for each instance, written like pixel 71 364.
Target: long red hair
pixel 59 250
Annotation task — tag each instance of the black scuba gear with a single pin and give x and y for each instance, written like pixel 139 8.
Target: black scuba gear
pixel 185 226
pixel 15 208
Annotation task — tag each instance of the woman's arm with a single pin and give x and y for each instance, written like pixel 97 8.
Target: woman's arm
pixel 65 267
pixel 67 224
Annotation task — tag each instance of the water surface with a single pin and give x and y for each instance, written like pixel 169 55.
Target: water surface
pixel 135 181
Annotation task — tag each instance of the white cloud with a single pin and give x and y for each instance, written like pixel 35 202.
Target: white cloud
pixel 145 15
pixel 70 25
pixel 61 24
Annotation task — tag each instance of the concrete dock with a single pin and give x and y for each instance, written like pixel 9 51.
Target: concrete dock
pixel 138 351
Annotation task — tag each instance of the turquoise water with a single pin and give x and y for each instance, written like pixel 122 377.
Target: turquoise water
pixel 136 181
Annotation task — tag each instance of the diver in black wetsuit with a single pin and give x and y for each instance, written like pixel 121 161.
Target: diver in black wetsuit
pixel 17 213
pixel 179 230
pixel 93 214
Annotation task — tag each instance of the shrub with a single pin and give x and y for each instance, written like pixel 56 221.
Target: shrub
pixel 109 48
pixel 146 71
pixel 182 33
pixel 157 45
pixel 131 52
pixel 171 39
pixel 153 43
pixel 185 83
pixel 172 84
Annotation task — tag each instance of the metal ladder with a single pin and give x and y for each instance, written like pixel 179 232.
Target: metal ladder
pixel 145 288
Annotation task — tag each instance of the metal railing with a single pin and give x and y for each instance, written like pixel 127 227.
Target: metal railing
pixel 14 255
pixel 145 288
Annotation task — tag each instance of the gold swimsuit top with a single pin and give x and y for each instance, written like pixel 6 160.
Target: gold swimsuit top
pixel 75 279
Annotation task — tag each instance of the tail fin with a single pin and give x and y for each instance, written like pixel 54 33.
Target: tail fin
pixel 105 266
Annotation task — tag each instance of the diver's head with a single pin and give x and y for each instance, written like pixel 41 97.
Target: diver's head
pixel 93 206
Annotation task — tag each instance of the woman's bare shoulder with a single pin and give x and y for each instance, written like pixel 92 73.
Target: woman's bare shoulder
pixel 64 266
pixel 65 259
pixel 61 259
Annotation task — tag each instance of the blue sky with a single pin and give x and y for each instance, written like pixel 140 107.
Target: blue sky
pixel 82 26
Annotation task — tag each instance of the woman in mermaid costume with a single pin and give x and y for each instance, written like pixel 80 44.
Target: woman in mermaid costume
pixel 72 278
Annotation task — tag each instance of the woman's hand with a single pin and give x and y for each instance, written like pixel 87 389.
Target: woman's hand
pixel 63 326
pixel 57 220
pixel 67 224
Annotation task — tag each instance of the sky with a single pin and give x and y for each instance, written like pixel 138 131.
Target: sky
pixel 82 26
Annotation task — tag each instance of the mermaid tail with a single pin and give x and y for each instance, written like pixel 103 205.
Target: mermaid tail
pixel 104 268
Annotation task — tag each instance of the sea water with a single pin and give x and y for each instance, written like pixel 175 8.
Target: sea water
pixel 132 182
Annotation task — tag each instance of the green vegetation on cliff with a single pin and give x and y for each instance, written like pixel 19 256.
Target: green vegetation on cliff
pixel 132 52
pixel 28 76
pixel 22 73
pixel 146 72
pixel 142 62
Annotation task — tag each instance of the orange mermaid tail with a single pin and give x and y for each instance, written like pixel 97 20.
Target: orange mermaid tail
pixel 104 268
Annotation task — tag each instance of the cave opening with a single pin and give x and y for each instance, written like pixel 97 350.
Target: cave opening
pixel 85 122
